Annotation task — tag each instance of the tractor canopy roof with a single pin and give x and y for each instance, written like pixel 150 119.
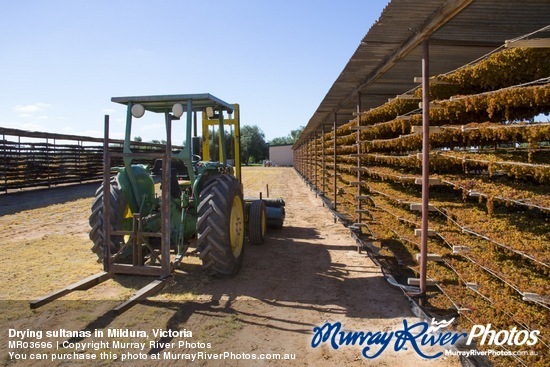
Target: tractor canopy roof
pixel 164 103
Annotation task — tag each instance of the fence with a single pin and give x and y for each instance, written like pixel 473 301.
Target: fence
pixel 34 159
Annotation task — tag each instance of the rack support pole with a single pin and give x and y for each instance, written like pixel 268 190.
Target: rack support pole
pixel 425 168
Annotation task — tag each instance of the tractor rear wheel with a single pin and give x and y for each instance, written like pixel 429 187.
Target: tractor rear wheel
pixel 119 212
pixel 257 222
pixel 221 226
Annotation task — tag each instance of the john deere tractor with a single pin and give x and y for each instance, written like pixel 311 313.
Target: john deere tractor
pixel 184 200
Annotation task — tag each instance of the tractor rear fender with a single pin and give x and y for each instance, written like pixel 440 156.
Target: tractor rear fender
pixel 139 190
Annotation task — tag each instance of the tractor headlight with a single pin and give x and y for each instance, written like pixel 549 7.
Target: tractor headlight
pixel 177 110
pixel 209 112
pixel 138 110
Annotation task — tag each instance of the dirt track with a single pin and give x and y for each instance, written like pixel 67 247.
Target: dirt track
pixel 305 275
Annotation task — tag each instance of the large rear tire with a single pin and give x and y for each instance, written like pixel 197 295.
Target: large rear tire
pixel 221 226
pixel 119 212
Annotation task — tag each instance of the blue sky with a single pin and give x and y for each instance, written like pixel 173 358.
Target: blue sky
pixel 63 60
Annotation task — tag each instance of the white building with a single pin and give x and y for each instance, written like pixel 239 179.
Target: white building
pixel 281 155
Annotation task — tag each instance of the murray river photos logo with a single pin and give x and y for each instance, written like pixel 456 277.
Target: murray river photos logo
pixel 417 336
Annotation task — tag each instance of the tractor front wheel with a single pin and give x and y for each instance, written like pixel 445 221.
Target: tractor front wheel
pixel 221 226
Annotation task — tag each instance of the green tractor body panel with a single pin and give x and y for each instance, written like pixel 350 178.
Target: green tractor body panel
pixel 138 188
pixel 189 223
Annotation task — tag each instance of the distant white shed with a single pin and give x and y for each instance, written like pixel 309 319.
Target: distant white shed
pixel 281 155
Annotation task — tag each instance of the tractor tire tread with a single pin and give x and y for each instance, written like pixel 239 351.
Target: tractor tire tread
pixel 213 226
pixel 118 205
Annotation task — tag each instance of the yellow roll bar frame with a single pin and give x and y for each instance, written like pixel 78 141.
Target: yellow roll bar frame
pixel 235 121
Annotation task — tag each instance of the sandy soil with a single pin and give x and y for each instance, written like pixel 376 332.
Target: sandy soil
pixel 305 275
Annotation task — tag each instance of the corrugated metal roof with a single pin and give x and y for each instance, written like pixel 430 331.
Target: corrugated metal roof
pixel 389 56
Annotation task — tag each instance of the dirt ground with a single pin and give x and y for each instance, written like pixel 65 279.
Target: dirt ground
pixel 305 275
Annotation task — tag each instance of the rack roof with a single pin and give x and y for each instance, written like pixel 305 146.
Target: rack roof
pixel 389 56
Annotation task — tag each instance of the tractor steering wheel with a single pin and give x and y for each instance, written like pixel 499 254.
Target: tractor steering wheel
pixel 195 158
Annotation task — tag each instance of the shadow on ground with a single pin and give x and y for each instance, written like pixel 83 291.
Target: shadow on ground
pixel 18 201
pixel 293 272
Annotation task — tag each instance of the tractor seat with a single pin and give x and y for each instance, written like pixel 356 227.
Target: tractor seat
pixel 178 167
pixel 179 170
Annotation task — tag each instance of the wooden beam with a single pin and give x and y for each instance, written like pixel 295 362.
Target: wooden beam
pixel 433 105
pixel 534 297
pixel 143 293
pixel 433 81
pixel 81 285
pixel 430 257
pixel 460 249
pixel 532 43
pixel 404 117
pixel 136 269
pixel 416 281
pixel 406 96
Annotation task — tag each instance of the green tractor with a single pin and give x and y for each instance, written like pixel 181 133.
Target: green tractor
pixel 200 205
